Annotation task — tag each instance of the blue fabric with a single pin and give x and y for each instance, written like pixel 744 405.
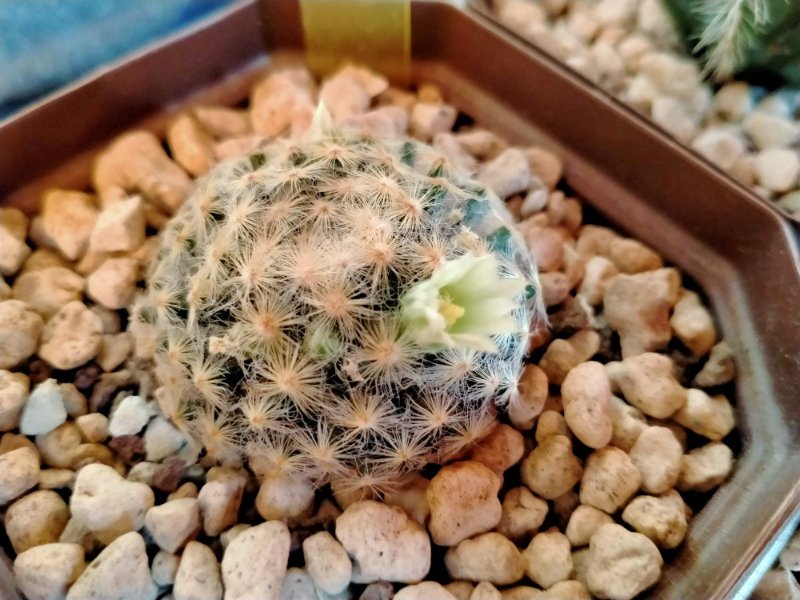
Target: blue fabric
pixel 45 44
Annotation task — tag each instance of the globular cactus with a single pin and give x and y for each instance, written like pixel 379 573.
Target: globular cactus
pixel 343 308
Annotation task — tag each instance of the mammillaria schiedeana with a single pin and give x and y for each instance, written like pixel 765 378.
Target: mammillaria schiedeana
pixel 345 308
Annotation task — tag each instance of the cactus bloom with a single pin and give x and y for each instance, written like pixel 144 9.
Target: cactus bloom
pixel 462 305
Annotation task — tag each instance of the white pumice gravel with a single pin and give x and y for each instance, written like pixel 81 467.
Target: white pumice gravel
pixel 44 410
pixel 284 498
pixel 198 576
pixel 164 568
pixel 129 417
pixel 161 439
pixel 119 572
pixel 327 562
pixel 255 562
pixel 173 523
pixel 107 504
pixel 93 472
pixel 297 584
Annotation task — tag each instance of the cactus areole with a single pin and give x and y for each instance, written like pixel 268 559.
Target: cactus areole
pixel 340 308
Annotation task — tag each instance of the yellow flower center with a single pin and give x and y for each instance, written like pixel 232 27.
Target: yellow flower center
pixel 451 312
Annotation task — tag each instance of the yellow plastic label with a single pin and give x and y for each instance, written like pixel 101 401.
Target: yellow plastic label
pixel 375 33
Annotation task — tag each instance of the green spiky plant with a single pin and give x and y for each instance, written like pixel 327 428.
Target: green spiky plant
pixel 749 38
pixel 343 308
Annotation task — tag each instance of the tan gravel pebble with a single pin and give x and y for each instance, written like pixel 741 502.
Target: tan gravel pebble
pixel 551 469
pixel 610 479
pixel 500 450
pixel 551 423
pixel 627 424
pixel 657 518
pixel 13 394
pixel 485 591
pixel 658 455
pixel 463 501
pixel 487 557
pixel 523 513
pixel 93 427
pixel 56 479
pixel 219 500
pixel 621 564
pixel 115 350
pixel 709 416
pixel 412 498
pixel 638 307
pixel 548 558
pixel 586 394
pixel 35 519
pixel 462 590
pixel 533 387
pixel 68 219
pixel 427 590
pixel 648 383
pixel 19 472
pixel 284 498
pixel 583 522
pixel 48 290
pixel 72 337
pixel 137 161
pixel 113 283
pixel 46 572
pixel 20 328
pixel 384 543
pixel 693 324
pixel 705 468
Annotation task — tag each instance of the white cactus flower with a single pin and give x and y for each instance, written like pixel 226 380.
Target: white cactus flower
pixel 462 305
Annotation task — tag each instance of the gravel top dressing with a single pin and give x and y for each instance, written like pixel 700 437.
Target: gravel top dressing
pixel 631 49
pixel 324 370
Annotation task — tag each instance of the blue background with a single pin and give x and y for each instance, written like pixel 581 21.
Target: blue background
pixel 45 44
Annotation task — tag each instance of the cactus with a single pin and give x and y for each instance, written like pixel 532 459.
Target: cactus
pixel 287 308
